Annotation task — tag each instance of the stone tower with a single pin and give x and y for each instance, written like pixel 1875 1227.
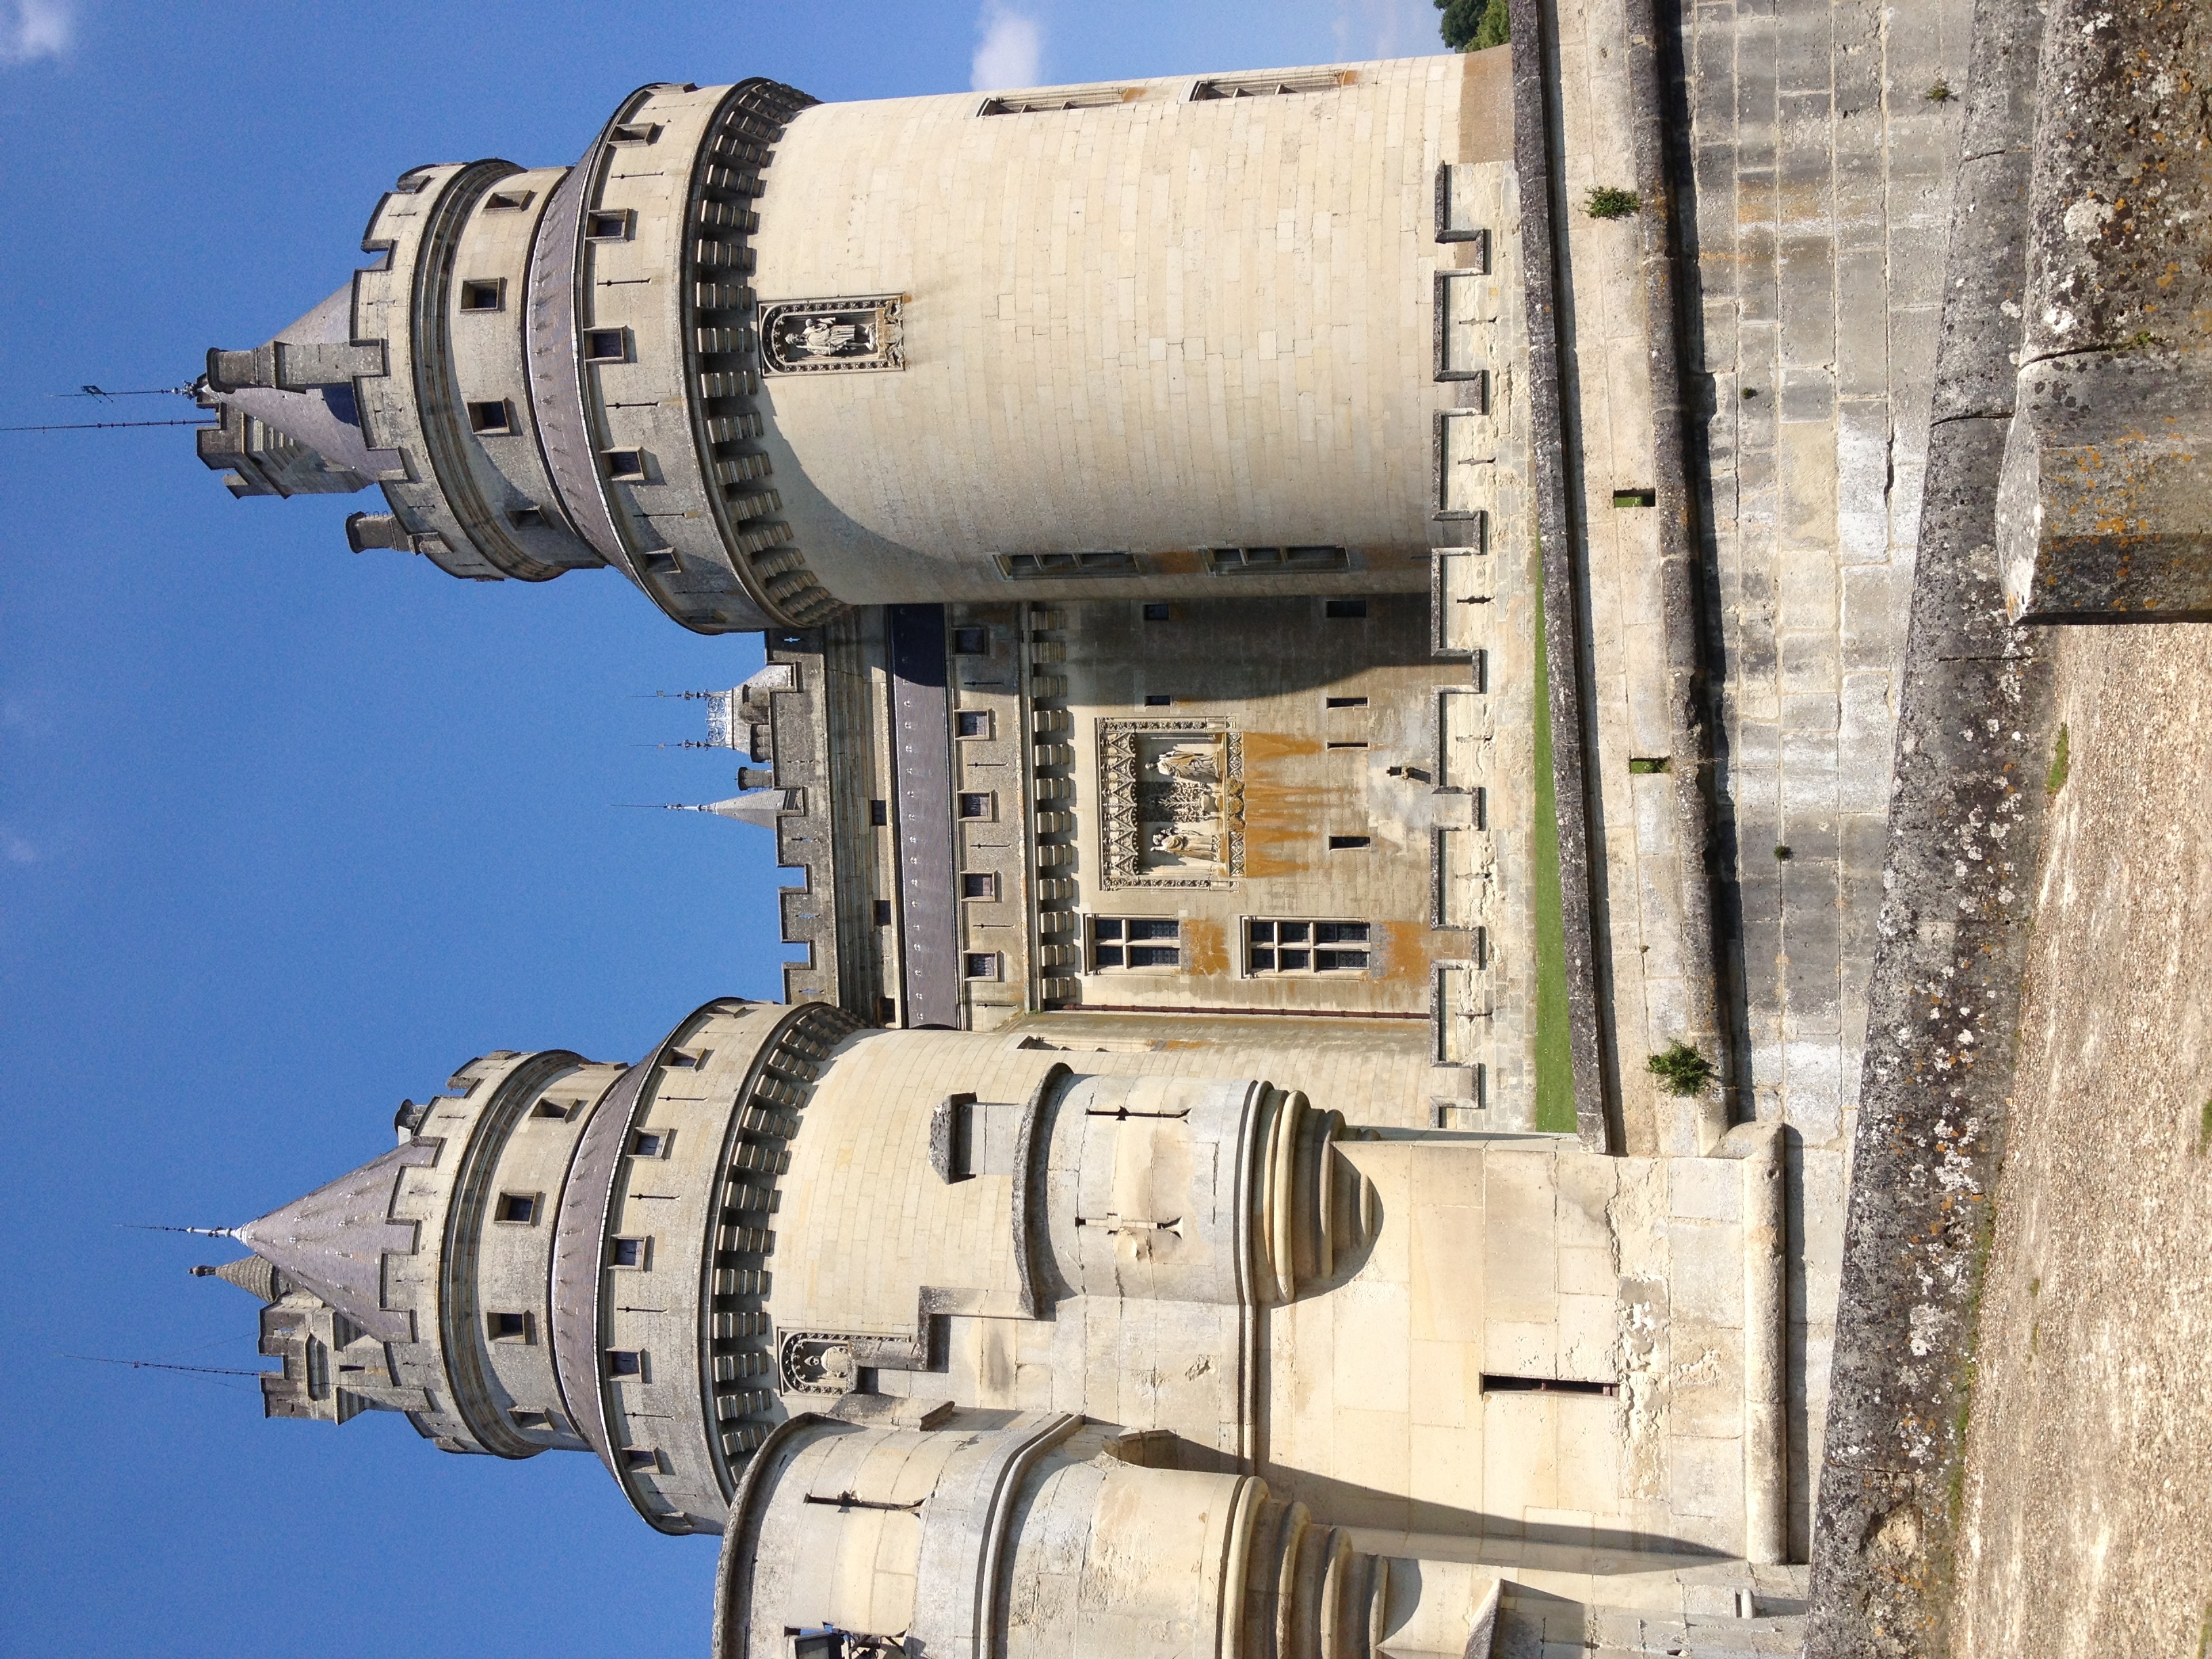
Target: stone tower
pixel 1036 1342
pixel 751 351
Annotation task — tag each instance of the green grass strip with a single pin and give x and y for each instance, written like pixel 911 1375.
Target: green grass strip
pixel 1555 1072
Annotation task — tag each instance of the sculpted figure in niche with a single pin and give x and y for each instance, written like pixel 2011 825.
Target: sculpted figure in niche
pixel 1190 765
pixel 1179 842
pixel 847 334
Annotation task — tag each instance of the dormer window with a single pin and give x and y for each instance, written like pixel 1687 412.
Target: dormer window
pixel 643 1458
pixel 689 1060
pixel 493 417
pixel 485 294
pixel 625 466
pixel 633 132
pixel 510 1328
pixel 606 345
pixel 630 1252
pixel 649 1143
pixel 625 1362
pixel 609 225
pixel 508 200
pixel 519 1207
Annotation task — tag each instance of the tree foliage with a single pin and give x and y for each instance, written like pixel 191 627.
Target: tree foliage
pixel 1475 24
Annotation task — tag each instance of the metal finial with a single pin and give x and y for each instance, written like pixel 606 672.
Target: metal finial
pixel 163 1365
pixel 103 426
pixel 204 1232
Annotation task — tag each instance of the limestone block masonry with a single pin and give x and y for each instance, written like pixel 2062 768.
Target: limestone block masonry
pixel 750 352
pixel 946 1331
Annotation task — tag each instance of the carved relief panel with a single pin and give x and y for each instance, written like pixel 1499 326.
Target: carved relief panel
pixel 809 336
pixel 1171 803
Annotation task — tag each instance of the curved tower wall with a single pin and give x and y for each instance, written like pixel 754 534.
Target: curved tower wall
pixel 1049 1538
pixel 772 358
pixel 1170 323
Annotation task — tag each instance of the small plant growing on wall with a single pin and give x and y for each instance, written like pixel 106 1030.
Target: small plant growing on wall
pixel 1681 1069
pixel 1940 92
pixel 1611 202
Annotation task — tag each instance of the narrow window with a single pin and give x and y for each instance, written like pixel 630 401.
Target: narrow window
pixel 972 723
pixel 625 466
pixel 886 1010
pixel 625 1362
pixel 561 1110
pixel 629 1253
pixel 1346 703
pixel 633 132
pixel 1270 86
pixel 1157 613
pixel 879 812
pixel 608 225
pixel 1546 1385
pixel 1344 608
pixel 1129 942
pixel 508 200
pixel 508 1326
pixel 489 417
pixel 660 561
pixel 689 1060
pixel 648 1143
pixel 882 913
pixel 980 964
pixel 606 345
pixel 1274 561
pixel 979 884
pixel 1348 843
pixel 1053 104
pixel 486 294
pixel 540 1422
pixel 971 642
pixel 1039 567
pixel 643 1458
pixel 517 1206
pixel 976 807
pixel 527 517
pixel 1157 699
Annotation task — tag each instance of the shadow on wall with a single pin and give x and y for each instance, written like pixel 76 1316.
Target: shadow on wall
pixel 1345 1504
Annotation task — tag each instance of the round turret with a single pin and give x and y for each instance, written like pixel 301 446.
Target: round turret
pixel 771 358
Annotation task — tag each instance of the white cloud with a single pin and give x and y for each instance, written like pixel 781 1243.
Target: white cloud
pixel 31 29
pixel 1007 56
pixel 1380 28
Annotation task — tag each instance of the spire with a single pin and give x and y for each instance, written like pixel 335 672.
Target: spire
pixel 760 807
pixel 250 1273
pixel 333 1241
pixel 316 447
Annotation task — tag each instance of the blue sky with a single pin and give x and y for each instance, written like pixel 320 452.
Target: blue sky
pixel 287 834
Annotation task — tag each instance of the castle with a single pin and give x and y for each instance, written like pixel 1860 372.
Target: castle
pixel 1158 1219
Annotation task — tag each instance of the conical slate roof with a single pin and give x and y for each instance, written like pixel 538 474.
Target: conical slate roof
pixel 324 419
pixel 332 1242
pixel 759 806
pixel 249 1273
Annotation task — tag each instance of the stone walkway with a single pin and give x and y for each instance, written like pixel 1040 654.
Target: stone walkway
pixel 1823 175
pixel 1822 171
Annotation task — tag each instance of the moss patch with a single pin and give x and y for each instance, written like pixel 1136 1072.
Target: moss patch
pixel 1555 1068
pixel 2055 780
